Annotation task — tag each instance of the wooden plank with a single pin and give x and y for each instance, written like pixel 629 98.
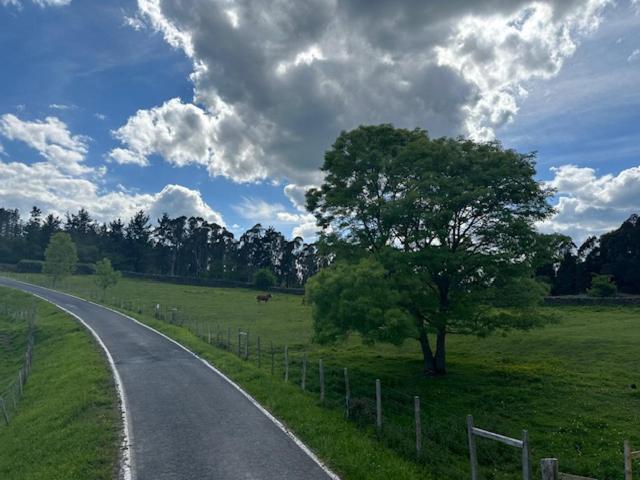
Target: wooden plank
pixel 568 476
pixel 497 437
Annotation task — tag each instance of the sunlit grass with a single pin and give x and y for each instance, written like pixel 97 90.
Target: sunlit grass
pixel 66 425
pixel 569 384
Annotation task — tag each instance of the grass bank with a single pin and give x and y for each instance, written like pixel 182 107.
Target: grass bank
pixel 569 384
pixel 67 424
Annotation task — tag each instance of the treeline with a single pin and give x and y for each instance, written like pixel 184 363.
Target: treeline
pixel 615 254
pixel 181 246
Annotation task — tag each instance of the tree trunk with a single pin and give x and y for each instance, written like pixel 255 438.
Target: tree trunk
pixel 428 360
pixel 440 358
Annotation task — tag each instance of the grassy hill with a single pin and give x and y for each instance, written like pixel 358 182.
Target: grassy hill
pixel 570 384
pixel 66 426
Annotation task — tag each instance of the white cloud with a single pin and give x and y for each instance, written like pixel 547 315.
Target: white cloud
pixel 60 183
pixel 61 106
pixel 51 3
pixel 276 215
pixel 100 116
pixel 51 138
pixel 500 53
pixel 635 55
pixel 276 84
pixel 40 3
pixel 123 156
pixel 296 194
pixel 184 134
pixel 177 200
pixel 589 204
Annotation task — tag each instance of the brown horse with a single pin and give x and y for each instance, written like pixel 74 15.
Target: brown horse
pixel 263 298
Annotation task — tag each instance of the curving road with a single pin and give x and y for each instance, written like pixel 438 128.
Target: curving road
pixel 184 419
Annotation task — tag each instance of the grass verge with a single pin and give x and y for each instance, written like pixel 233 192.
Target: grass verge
pixel 67 424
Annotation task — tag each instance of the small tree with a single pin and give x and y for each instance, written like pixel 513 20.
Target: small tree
pixel 106 276
pixel 60 257
pixel 264 279
pixel 602 286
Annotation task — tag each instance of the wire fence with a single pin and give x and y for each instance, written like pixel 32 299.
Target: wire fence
pixel 416 427
pixel 406 423
pixel 13 391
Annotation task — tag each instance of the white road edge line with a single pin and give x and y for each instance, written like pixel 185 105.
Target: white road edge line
pixel 278 423
pixel 126 459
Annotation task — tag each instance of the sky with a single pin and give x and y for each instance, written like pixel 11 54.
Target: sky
pixel 224 108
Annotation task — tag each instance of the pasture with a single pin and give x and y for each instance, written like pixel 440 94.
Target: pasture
pixel 67 423
pixel 570 384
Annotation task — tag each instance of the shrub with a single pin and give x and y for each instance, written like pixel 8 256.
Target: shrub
pixel 264 279
pixel 30 266
pixel 602 286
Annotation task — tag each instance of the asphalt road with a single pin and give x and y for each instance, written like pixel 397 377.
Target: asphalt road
pixel 185 421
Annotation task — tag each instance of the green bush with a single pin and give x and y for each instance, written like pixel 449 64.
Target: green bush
pixel 85 269
pixel 264 279
pixel 602 286
pixel 30 266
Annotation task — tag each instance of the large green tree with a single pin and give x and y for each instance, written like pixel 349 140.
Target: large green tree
pixel 60 257
pixel 430 237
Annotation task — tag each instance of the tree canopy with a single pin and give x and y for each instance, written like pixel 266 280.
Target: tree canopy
pixel 182 246
pixel 106 276
pixel 60 257
pixel 440 229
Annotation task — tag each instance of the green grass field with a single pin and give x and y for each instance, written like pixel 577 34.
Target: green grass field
pixel 569 384
pixel 66 426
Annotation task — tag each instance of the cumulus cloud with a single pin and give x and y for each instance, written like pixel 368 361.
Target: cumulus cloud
pixel 61 182
pixel 635 55
pixel 51 138
pixel 500 53
pixel 275 84
pixel 176 200
pixel 184 134
pixel 588 204
pixel 276 215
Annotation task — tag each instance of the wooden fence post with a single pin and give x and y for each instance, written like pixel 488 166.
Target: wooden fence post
pixel 416 411
pixel 229 338
pixel 526 467
pixel 321 372
pixel 286 363
pixel 628 465
pixel 549 468
pixel 239 342
pixel 473 457
pixel 273 363
pixel 304 371
pixel 209 335
pixel 246 346
pixel 4 411
pixel 347 392
pixel 259 352
pixel 378 405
